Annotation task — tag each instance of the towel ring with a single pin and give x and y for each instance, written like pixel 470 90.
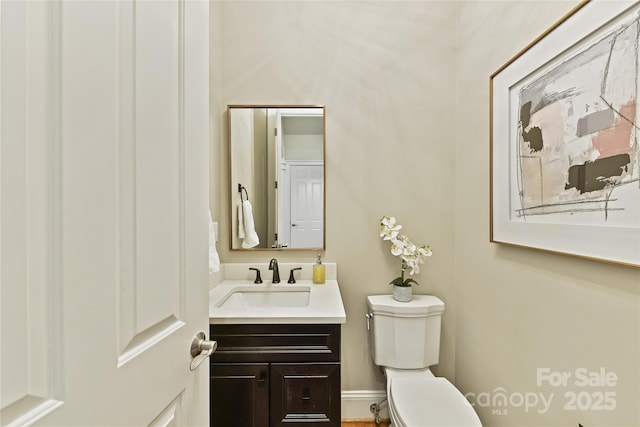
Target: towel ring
pixel 240 188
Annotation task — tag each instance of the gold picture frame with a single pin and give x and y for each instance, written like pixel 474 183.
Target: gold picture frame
pixel 565 157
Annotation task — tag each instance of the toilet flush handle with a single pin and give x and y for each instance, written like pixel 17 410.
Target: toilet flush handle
pixel 368 316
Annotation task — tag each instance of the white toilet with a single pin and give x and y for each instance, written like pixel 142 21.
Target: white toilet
pixel 405 340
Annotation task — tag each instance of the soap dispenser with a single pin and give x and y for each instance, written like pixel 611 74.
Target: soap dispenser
pixel 318 271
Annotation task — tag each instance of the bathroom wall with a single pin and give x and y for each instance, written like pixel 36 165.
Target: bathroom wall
pixel 385 71
pixel 406 86
pixel 520 310
pixel 243 151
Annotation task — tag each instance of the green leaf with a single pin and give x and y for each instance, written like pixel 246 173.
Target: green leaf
pixel 398 282
pixel 409 281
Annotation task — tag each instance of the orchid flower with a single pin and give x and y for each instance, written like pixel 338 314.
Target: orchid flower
pixel 409 248
pixel 397 247
pixel 414 268
pixel 424 251
pixel 388 228
pixel 388 221
pixel 388 233
pixel 410 254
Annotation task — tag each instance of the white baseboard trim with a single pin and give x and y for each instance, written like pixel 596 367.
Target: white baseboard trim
pixel 356 403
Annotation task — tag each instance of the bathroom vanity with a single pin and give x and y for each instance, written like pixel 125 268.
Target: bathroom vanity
pixel 290 372
pixel 278 356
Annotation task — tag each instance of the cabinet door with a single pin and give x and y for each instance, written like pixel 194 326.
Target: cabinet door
pixel 239 395
pixel 305 394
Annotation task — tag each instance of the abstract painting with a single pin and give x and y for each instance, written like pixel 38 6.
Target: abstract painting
pixel 572 157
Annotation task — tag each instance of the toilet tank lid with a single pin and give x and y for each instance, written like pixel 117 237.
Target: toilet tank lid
pixel 420 305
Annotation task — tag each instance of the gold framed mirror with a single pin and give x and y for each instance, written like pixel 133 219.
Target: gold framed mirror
pixel 277 177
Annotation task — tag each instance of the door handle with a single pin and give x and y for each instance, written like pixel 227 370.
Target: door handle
pixel 201 349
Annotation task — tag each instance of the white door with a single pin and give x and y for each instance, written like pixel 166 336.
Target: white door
pixel 279 192
pixel 307 206
pixel 104 111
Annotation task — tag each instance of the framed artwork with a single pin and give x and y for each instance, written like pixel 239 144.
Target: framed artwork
pixel 565 162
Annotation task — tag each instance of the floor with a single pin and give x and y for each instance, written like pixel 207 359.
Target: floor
pixel 365 423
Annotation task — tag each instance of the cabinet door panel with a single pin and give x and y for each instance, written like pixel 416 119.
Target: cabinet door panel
pixel 239 395
pixel 305 394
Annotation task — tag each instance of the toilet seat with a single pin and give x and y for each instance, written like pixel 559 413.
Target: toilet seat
pixel 426 402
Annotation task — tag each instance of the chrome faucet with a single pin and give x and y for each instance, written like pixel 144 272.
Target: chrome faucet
pixel 273 265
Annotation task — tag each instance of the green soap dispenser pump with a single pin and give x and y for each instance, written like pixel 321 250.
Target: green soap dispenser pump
pixel 318 271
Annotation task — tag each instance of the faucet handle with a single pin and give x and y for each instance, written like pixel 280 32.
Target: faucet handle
pixel 291 278
pixel 258 278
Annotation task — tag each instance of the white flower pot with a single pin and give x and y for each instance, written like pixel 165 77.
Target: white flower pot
pixel 402 293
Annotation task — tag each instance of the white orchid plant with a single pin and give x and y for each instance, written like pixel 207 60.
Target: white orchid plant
pixel 410 254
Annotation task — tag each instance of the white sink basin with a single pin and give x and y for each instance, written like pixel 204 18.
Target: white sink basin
pixel 260 297
pixel 236 299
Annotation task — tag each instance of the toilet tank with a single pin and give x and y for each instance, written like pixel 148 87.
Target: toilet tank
pixel 404 335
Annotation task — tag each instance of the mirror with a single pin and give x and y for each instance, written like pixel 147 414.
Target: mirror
pixel 276 176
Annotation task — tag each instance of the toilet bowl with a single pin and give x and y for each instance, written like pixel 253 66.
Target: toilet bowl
pixel 405 341
pixel 420 400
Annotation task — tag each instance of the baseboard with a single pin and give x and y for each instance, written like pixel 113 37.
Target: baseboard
pixel 356 403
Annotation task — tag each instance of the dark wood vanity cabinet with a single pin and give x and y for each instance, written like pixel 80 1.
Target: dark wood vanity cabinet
pixel 275 375
pixel 239 394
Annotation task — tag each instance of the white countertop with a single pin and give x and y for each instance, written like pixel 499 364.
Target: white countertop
pixel 325 302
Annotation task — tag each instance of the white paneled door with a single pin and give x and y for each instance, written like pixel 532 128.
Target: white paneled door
pixel 307 206
pixel 103 185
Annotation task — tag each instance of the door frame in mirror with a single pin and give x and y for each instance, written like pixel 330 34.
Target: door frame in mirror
pixel 233 188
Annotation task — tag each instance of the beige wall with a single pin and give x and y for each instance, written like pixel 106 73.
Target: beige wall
pixel 406 89
pixel 519 310
pixel 385 72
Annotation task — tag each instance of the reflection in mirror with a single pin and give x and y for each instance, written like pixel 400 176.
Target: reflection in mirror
pixel 276 170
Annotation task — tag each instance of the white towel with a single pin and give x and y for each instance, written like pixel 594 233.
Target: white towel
pixel 241 234
pixel 251 237
pixel 214 259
